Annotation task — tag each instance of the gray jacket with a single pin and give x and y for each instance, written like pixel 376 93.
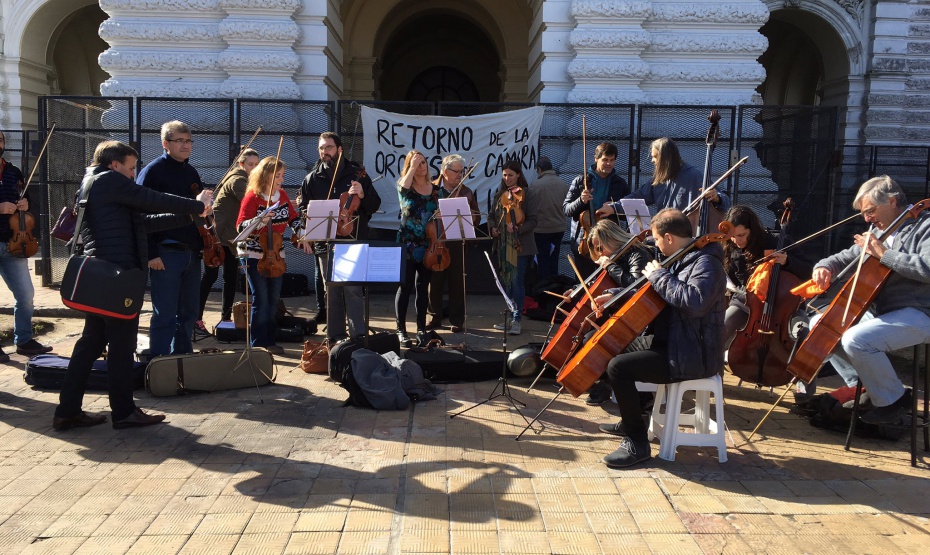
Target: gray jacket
pixel 550 189
pixel 696 295
pixel 909 260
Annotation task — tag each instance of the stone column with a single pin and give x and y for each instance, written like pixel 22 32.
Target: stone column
pixel 320 50
pixel 162 48
pixel 608 41
pixel 550 51
pixel 704 52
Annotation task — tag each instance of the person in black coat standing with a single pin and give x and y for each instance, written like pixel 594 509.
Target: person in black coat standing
pixel 115 228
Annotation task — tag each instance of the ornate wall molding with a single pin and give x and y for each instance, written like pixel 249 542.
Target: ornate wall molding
pixel 708 73
pixel 115 30
pixel 253 61
pixel 854 8
pixel 604 69
pixel 677 42
pixel 610 9
pixel 591 38
pixel 701 12
pixel 260 89
pixel 160 5
pixel 158 61
pixel 148 88
pixel 267 31
pixel 265 5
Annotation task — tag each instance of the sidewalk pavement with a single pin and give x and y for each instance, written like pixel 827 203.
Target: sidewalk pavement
pixel 288 469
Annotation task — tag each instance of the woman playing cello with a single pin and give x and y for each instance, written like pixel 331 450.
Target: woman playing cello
pixel 687 341
pixel 515 242
pixel 264 191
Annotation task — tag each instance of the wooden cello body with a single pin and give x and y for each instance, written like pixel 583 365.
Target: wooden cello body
pixel 827 332
pixel 566 339
pixel 625 325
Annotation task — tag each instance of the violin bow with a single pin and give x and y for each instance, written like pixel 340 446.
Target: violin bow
pixel 274 173
pixel 581 279
pixel 713 186
pixel 242 148
pixel 810 237
pixel 22 194
pixel 335 173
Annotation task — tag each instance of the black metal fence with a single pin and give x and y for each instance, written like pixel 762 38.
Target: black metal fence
pixel 792 150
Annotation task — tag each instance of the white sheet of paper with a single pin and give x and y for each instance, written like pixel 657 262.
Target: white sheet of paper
pixel 456 211
pixel 384 264
pixel 322 217
pixel 256 221
pixel 637 214
pixel 350 262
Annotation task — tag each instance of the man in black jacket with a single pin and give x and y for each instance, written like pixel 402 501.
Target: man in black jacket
pixel 175 254
pixel 345 301
pixel 115 229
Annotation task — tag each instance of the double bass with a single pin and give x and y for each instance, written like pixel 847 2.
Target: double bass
pixel 761 350
pixel 701 212
pixel 848 307
pixel 626 324
pixel 561 346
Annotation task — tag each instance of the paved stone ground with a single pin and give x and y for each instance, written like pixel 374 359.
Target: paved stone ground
pixel 289 470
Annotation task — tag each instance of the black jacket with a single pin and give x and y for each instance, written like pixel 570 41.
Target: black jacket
pixel 316 187
pixel 166 175
pixel 572 205
pixel 115 225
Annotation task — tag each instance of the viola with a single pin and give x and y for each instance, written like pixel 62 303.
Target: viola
pixel 863 287
pixel 348 207
pixel 437 256
pixel 213 253
pixel 761 350
pixel 570 333
pixel 511 201
pixel 271 264
pixel 22 244
pixel 587 220
pixel 629 321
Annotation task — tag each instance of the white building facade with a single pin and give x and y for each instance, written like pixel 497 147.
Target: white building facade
pixel 871 58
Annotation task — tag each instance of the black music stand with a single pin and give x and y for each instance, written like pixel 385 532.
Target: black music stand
pixel 502 381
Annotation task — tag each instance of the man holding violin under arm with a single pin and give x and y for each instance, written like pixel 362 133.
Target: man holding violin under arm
pixel 900 315
pixel 333 175
pixel 15 269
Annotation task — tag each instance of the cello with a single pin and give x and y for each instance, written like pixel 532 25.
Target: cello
pixel 568 336
pixel 848 307
pixel 761 350
pixel 626 324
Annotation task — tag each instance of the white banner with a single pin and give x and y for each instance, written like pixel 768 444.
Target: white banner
pixel 487 140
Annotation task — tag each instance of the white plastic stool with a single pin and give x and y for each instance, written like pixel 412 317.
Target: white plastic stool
pixel 707 431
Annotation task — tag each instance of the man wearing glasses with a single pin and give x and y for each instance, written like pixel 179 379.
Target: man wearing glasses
pixel 451 173
pixel 346 302
pixel 900 315
pixel 174 255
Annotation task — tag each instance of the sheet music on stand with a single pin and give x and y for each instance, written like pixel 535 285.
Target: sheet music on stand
pixel 322 217
pixel 510 304
pixel 637 213
pixel 456 219
pixel 256 221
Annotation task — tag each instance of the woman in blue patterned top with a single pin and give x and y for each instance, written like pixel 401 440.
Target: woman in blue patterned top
pixel 418 199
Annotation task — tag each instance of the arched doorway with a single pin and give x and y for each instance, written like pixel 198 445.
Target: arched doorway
pixel 75 46
pixel 439 56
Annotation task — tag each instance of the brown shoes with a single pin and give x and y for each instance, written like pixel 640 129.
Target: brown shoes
pixel 138 419
pixel 82 420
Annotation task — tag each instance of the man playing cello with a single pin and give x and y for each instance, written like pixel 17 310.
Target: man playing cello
pixel 900 315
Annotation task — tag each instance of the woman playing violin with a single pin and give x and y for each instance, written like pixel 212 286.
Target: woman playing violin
pixel 686 343
pixel 419 199
pixel 515 243
pixel 749 243
pixel 267 176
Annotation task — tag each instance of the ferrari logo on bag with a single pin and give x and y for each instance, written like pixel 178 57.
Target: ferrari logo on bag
pixel 127 302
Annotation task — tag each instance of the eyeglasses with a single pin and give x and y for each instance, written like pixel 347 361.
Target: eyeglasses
pixel 456 171
pixel 868 213
pixel 182 142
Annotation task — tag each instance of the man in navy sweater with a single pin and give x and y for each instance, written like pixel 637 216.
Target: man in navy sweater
pixel 174 255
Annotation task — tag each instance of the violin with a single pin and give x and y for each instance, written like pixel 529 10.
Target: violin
pixel 348 206
pixel 570 333
pixel 22 244
pixel 510 201
pixel 271 264
pixel 213 253
pixel 848 307
pixel 625 325
pixel 761 350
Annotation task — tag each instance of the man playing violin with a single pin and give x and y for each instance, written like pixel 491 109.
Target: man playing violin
pixel 599 185
pixel 687 335
pixel 14 269
pixel 900 315
pixel 450 186
pixel 333 175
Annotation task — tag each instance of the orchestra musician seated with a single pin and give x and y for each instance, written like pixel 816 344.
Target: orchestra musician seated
pixel 900 315
pixel 687 335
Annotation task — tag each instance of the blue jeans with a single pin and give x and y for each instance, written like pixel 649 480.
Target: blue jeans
pixel 517 288
pixel 265 294
pixel 175 302
pixel 548 246
pixel 15 272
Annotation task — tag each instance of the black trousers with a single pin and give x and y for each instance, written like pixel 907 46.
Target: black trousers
pixel 230 281
pixel 644 361
pixel 417 278
pixel 454 276
pixel 120 336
